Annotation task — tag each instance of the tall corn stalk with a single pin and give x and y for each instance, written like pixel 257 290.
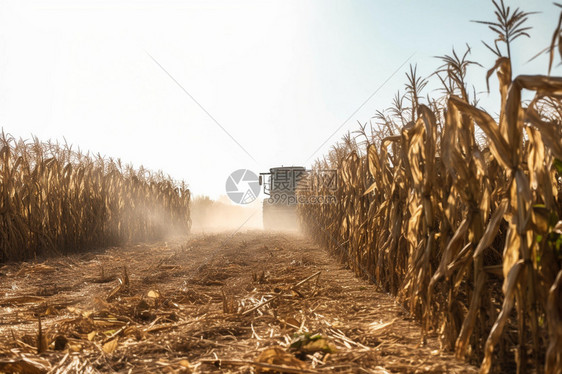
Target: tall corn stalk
pixel 461 228
pixel 56 200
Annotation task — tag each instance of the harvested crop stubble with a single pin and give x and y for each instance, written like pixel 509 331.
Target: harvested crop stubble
pixel 56 200
pixel 164 319
pixel 465 231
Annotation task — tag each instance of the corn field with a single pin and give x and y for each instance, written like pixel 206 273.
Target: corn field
pixel 457 212
pixel 54 200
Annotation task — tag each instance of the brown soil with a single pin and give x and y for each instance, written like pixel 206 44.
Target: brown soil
pixel 185 306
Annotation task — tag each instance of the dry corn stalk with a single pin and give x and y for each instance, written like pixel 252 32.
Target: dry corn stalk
pixel 463 228
pixel 55 200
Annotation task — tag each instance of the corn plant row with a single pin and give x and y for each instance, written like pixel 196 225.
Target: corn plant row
pixel 457 213
pixel 54 200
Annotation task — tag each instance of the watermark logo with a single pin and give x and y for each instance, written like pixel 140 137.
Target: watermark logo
pixel 288 199
pixel 242 186
pixel 298 186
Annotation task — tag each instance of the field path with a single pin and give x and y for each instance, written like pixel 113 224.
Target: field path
pixel 185 306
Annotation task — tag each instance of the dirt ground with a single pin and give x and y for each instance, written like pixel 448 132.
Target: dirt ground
pixel 250 302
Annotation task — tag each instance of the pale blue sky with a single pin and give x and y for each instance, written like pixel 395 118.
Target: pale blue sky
pixel 279 76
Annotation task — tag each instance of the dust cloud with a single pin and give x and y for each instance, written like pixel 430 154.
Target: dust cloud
pixel 209 215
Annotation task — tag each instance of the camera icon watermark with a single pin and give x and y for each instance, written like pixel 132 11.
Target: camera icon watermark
pixel 242 186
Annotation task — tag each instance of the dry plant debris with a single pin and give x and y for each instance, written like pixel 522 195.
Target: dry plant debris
pixel 196 306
